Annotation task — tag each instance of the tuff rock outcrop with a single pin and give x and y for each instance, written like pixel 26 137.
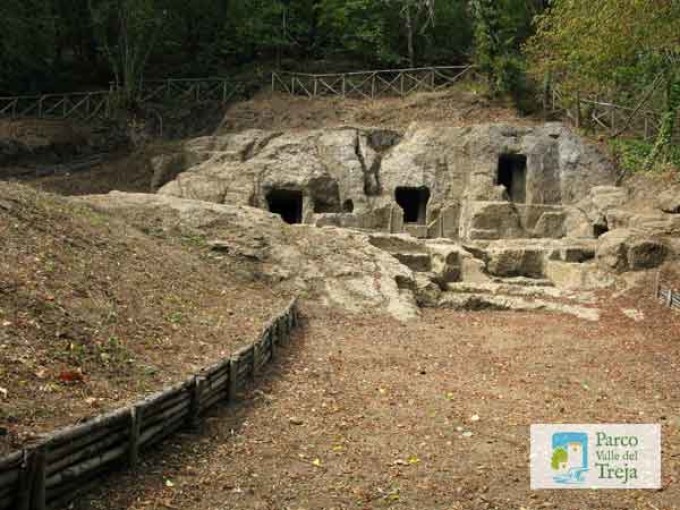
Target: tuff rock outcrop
pixel 483 182
pixel 336 266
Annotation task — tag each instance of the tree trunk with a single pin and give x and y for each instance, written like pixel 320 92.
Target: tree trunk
pixel 409 35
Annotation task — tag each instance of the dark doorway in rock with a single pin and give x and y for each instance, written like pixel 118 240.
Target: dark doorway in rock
pixel 348 206
pixel 413 201
pixel 286 203
pixel 599 229
pixel 512 173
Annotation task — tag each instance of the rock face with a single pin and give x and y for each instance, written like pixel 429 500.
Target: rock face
pixel 483 182
pixel 337 266
pixel 669 201
pixel 626 249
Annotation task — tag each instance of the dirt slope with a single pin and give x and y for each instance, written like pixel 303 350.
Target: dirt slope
pixel 460 105
pixel 368 413
pixel 94 313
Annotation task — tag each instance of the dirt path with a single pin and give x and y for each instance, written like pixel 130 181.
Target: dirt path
pixel 369 413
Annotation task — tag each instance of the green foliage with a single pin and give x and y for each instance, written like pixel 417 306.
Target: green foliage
pixel 27 29
pixel 609 47
pixel 559 455
pixel 620 49
pixel 499 29
pixel 632 156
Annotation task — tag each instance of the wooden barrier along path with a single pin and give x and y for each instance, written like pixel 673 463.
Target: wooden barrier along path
pixel 668 296
pixel 370 84
pixel 51 473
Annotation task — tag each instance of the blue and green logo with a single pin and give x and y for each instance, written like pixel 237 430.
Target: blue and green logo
pixel 569 460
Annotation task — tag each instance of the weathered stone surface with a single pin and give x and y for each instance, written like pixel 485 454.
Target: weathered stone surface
pixel 574 275
pixel 515 261
pixel 427 292
pixel 669 201
pixel 627 249
pixel 339 267
pixel 358 171
pixel 646 253
pixel 484 301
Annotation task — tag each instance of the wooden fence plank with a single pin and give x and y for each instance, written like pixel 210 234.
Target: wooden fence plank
pixel 51 473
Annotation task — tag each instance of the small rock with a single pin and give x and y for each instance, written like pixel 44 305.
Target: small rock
pixel 294 420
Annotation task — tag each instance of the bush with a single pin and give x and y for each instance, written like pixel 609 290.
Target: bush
pixel 631 154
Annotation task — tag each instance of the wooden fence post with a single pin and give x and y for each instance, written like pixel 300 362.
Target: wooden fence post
pixel 26 475
pixel 195 405
pixel 233 380
pixel 669 300
pixel 39 489
pixel 136 416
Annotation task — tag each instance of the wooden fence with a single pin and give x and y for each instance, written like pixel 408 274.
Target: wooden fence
pixel 80 105
pixel 605 117
pixel 51 473
pixel 100 104
pixel 369 84
pixel 668 296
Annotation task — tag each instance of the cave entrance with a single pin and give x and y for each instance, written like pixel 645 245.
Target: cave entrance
pixel 413 202
pixel 286 203
pixel 512 173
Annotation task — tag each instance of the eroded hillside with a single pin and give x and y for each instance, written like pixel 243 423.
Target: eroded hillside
pixel 94 313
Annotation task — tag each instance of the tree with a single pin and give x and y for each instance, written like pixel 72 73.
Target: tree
pixel 558 457
pixel 500 26
pixel 27 35
pixel 417 16
pixel 619 49
pixel 127 31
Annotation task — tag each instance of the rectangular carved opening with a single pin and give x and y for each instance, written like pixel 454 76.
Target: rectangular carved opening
pixel 286 203
pixel 512 173
pixel 413 202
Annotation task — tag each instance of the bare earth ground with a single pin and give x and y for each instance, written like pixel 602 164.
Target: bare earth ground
pixel 366 412
pixel 460 105
pixel 94 314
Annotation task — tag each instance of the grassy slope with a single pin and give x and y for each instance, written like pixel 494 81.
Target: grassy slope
pixel 93 313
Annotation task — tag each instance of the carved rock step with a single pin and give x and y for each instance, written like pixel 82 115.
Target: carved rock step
pixel 510 289
pixel 482 301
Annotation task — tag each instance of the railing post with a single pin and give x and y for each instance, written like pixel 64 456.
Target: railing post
pixel 316 84
pixel 233 380
pixel 39 489
pixel 373 85
pixel 136 417
pixel 273 81
pixel 669 299
pixel 344 85
pixel 40 107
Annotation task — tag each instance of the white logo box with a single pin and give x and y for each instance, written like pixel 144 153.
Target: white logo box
pixel 596 456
